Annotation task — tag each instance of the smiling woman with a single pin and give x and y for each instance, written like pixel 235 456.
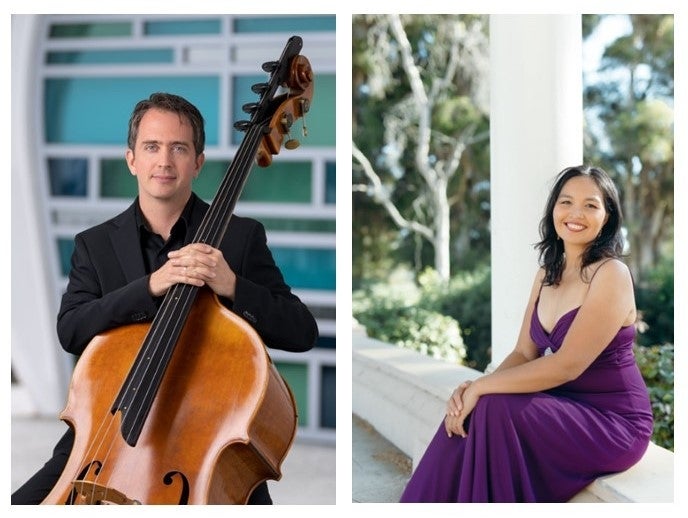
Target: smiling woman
pixel 580 210
pixel 580 195
pixel 569 403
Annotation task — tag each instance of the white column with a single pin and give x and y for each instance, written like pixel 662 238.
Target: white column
pixel 37 359
pixel 536 129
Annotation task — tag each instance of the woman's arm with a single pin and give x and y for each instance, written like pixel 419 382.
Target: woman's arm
pixel 524 351
pixel 604 311
pixel 595 325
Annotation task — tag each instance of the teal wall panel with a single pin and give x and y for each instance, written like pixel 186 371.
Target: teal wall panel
pixel 296 376
pixel 330 183
pixel 180 27
pixel 90 30
pixel 68 176
pixel 307 268
pixel 285 23
pixel 96 110
pixel 282 182
pixel 110 57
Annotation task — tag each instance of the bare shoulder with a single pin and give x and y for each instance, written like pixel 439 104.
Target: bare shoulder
pixel 610 271
pixel 537 281
pixel 610 268
pixel 612 281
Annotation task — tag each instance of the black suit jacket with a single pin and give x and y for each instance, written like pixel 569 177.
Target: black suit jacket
pixel 108 284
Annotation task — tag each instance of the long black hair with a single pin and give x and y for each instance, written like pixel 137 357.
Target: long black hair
pixel 609 243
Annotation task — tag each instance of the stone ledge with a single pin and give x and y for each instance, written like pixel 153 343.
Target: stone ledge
pixel 651 480
pixel 401 393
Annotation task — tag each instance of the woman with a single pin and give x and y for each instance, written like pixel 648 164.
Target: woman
pixel 568 404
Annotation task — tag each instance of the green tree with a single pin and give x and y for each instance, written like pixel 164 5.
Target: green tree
pixel 630 129
pixel 420 133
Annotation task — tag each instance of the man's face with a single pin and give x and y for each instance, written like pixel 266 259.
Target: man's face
pixel 164 160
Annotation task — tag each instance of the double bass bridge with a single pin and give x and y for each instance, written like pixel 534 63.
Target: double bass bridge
pixel 87 492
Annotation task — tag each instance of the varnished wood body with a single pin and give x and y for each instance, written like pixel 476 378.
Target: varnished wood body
pixel 222 422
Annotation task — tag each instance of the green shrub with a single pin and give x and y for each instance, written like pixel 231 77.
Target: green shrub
pixel 397 312
pixel 468 299
pixel 463 304
pixel 655 301
pixel 657 367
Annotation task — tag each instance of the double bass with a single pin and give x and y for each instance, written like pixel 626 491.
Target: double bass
pixel 190 409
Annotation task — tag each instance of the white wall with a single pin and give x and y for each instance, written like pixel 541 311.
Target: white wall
pixel 36 354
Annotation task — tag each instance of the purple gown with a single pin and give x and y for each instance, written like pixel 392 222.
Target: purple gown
pixel 544 446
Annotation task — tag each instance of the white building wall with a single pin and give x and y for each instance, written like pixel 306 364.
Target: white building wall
pixel 37 360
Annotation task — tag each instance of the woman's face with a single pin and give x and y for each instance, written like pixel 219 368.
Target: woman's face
pixel 579 212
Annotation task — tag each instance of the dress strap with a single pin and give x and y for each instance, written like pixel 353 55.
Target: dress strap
pixel 542 284
pixel 600 266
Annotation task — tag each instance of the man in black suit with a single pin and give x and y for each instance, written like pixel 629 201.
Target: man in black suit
pixel 121 269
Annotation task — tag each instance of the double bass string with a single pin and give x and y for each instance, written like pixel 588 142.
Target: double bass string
pixel 214 226
pixel 210 232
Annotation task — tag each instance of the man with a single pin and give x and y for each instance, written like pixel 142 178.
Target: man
pixel 121 269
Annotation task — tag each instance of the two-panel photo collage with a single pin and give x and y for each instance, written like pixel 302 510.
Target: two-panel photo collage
pixel 198 247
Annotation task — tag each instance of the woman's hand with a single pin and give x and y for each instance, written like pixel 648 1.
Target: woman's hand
pixel 460 405
pixel 455 403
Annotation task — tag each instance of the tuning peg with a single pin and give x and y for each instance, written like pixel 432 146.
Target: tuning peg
pixel 250 107
pixel 287 122
pixel 242 125
pixel 260 88
pixel 270 66
pixel 305 106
